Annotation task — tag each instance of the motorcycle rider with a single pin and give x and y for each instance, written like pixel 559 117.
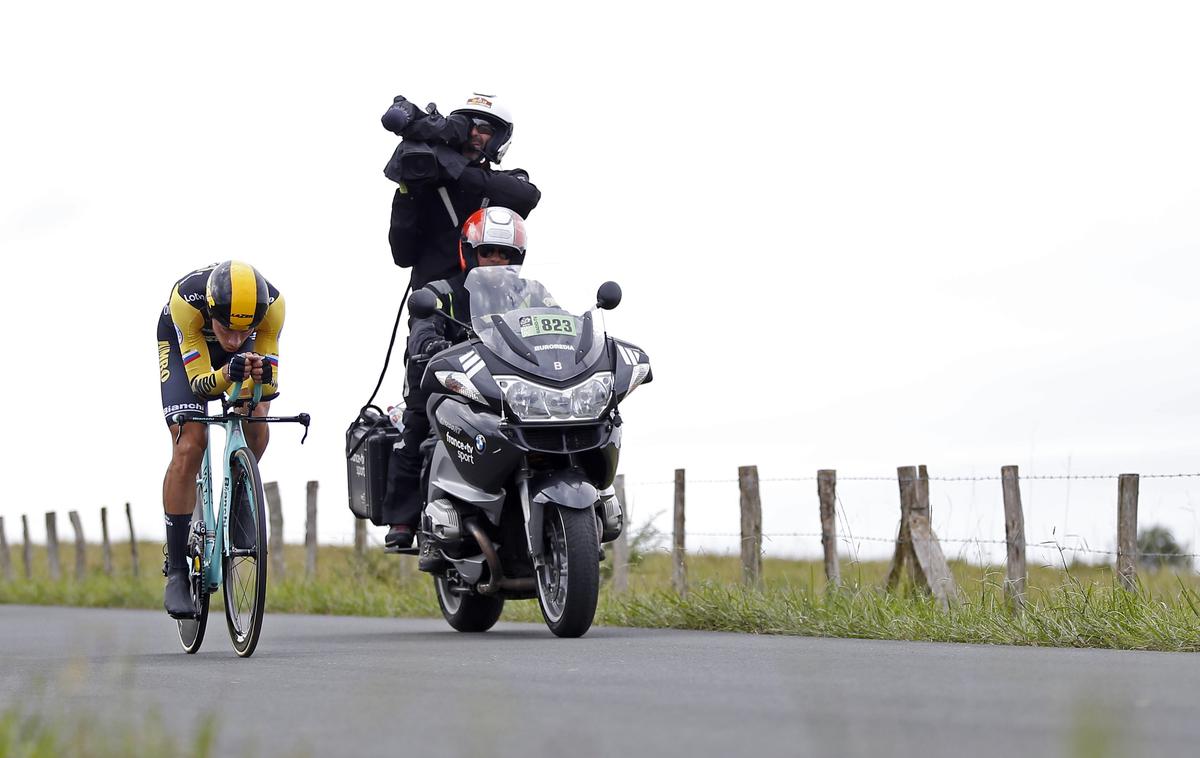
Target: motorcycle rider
pixel 492 236
pixel 427 214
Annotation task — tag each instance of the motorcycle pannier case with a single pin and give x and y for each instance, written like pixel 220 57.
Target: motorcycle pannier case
pixel 369 441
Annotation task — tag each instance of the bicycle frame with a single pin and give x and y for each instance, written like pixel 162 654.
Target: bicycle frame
pixel 216 519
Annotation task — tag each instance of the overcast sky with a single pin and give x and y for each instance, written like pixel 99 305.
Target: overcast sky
pixel 850 236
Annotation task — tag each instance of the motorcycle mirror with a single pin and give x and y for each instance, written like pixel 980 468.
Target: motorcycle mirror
pixel 608 296
pixel 422 303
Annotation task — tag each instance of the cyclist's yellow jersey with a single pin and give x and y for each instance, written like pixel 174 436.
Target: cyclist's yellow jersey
pixel 193 328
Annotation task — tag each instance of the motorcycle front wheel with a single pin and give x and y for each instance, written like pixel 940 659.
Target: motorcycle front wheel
pixel 568 584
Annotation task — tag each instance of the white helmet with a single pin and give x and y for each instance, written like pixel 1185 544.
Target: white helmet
pixel 486 107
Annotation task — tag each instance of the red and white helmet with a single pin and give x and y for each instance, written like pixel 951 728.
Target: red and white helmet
pixel 486 107
pixel 494 226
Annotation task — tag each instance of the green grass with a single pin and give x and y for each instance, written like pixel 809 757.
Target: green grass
pixel 42 730
pixel 1076 606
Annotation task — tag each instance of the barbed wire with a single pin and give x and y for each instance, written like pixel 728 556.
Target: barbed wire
pixel 986 478
pixel 1042 545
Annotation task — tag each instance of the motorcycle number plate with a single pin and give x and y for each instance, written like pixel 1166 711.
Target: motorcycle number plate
pixel 533 326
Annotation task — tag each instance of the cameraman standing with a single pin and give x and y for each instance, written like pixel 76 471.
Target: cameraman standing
pixel 444 169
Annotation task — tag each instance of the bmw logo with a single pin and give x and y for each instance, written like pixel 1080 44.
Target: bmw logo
pixel 480 442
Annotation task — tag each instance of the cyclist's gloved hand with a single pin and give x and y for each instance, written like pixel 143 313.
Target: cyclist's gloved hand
pixel 245 365
pixel 435 346
pixel 267 372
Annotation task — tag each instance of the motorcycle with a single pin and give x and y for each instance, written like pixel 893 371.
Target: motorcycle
pixel 519 466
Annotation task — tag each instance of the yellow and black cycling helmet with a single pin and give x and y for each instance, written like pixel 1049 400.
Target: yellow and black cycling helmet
pixel 237 296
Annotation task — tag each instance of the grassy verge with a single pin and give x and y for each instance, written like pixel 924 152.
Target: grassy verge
pixel 1077 606
pixel 43 730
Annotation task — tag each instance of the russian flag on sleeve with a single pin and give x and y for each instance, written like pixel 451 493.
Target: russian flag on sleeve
pixel 272 359
pixel 190 356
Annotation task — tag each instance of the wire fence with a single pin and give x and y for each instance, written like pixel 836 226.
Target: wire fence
pixel 1068 517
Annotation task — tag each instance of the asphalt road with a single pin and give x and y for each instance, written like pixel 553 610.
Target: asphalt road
pixel 322 685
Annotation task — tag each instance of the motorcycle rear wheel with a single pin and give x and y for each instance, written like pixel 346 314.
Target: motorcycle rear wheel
pixel 568 585
pixel 467 613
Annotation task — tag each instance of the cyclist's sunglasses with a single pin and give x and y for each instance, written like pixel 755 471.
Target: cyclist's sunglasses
pixel 495 251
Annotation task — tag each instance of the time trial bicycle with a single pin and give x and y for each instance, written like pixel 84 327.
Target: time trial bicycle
pixel 238 566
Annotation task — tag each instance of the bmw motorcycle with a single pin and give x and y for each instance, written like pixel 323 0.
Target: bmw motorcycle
pixel 519 466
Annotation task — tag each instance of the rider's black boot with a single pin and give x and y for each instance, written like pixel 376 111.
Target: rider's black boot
pixel 400 535
pixel 431 559
pixel 178 597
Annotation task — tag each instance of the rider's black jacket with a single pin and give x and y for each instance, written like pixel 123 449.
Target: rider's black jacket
pixel 425 231
pixel 454 301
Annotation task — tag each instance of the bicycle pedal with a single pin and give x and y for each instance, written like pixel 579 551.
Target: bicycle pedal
pixel 393 550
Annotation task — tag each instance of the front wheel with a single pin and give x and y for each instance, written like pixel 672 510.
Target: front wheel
pixel 568 585
pixel 245 558
pixel 467 613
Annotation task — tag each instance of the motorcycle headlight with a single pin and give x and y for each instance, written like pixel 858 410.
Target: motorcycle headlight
pixel 533 402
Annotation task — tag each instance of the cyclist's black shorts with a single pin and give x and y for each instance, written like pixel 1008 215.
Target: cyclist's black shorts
pixel 177 396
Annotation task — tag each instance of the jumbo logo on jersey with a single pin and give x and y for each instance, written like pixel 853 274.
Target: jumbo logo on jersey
pixel 164 354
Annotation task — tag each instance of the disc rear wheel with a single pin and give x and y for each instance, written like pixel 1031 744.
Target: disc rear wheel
pixel 245 559
pixel 191 631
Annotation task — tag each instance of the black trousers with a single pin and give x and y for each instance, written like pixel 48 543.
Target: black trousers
pixel 403 500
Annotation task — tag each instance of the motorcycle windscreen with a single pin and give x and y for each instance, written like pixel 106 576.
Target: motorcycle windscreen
pixel 521 322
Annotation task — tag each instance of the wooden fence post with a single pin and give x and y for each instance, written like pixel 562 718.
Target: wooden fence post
pixel 80 546
pixel 275 540
pixel 917 543
pixel 360 536
pixel 903 549
pixel 827 494
pixel 678 551
pixel 133 556
pixel 620 548
pixel 106 544
pixel 27 548
pixel 52 546
pixel 310 533
pixel 5 558
pixel 929 560
pixel 1014 537
pixel 751 507
pixel 1127 504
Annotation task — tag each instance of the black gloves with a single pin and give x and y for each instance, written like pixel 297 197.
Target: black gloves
pixel 435 346
pixel 239 367
pixel 268 372
pixel 400 115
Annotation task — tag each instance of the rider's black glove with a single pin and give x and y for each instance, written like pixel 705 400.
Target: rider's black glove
pixel 435 346
pixel 400 115
pixel 239 368
pixel 268 371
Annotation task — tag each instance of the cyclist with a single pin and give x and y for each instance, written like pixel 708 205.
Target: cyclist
pixel 220 326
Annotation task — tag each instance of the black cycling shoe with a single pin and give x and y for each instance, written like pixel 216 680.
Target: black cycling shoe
pixel 177 598
pixel 400 536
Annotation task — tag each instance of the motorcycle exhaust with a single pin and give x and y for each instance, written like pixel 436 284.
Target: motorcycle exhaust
pixel 497 581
